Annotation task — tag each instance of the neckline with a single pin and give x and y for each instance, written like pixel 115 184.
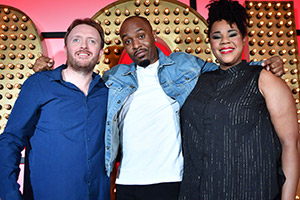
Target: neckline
pixel 235 69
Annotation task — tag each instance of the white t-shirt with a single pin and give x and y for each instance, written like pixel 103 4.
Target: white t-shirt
pixel 150 134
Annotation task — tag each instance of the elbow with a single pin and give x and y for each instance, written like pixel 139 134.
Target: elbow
pixel 291 143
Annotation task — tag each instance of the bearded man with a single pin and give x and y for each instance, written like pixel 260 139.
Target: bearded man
pixel 59 117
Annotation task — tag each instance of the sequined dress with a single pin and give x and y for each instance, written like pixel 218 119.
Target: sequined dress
pixel 231 150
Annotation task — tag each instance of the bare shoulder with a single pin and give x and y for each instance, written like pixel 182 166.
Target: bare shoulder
pixel 268 82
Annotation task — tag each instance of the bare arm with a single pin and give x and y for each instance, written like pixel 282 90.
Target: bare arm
pixel 282 108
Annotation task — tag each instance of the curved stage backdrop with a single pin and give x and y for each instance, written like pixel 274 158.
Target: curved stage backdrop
pixel 31 28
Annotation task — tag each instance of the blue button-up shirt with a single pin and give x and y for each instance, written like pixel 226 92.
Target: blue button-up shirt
pixel 63 131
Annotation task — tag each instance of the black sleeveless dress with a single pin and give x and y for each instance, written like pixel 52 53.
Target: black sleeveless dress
pixel 231 150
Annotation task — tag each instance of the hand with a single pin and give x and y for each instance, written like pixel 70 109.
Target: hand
pixel 275 65
pixel 43 63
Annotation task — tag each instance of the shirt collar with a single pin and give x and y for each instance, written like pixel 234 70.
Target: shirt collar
pixel 235 69
pixel 57 75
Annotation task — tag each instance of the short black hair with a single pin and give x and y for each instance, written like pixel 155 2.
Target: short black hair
pixel 146 21
pixel 230 11
pixel 87 21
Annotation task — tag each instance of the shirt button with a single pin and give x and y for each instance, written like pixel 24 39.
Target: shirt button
pixel 107 147
pixel 88 139
pixel 108 123
pixel 119 101
pixel 89 160
pixel 187 78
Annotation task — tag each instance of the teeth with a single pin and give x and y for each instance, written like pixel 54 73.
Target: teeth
pixel 83 54
pixel 226 50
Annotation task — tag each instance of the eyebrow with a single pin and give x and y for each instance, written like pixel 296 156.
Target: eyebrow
pixel 140 29
pixel 80 36
pixel 231 30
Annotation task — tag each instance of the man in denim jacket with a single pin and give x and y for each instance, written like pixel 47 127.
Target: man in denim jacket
pixel 143 107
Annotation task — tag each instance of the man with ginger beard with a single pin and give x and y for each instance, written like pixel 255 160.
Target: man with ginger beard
pixel 143 113
pixel 60 117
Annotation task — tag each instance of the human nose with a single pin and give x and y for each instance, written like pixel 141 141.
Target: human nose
pixel 136 43
pixel 84 44
pixel 225 40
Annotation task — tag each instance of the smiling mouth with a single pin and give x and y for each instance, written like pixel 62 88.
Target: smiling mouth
pixel 226 50
pixel 83 54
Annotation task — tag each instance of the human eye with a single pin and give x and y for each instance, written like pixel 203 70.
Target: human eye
pixel 127 41
pixel 142 36
pixel 92 41
pixel 75 40
pixel 233 34
pixel 216 37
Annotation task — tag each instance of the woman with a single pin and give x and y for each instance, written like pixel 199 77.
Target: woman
pixel 239 124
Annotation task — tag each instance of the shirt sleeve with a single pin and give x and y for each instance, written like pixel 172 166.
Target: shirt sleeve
pixel 202 65
pixel 255 63
pixel 209 66
pixel 19 128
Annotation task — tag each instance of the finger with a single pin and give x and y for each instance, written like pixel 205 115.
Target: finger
pixel 268 68
pixel 269 61
pixel 274 69
pixel 266 63
pixel 278 71
pixel 50 63
pixel 44 59
pixel 273 60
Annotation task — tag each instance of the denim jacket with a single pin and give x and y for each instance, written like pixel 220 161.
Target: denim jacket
pixel 178 74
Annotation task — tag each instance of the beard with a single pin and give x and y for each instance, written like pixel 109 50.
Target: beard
pixel 81 65
pixel 144 63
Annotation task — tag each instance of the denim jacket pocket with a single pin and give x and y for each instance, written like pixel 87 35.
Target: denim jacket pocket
pixel 186 77
pixel 114 84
